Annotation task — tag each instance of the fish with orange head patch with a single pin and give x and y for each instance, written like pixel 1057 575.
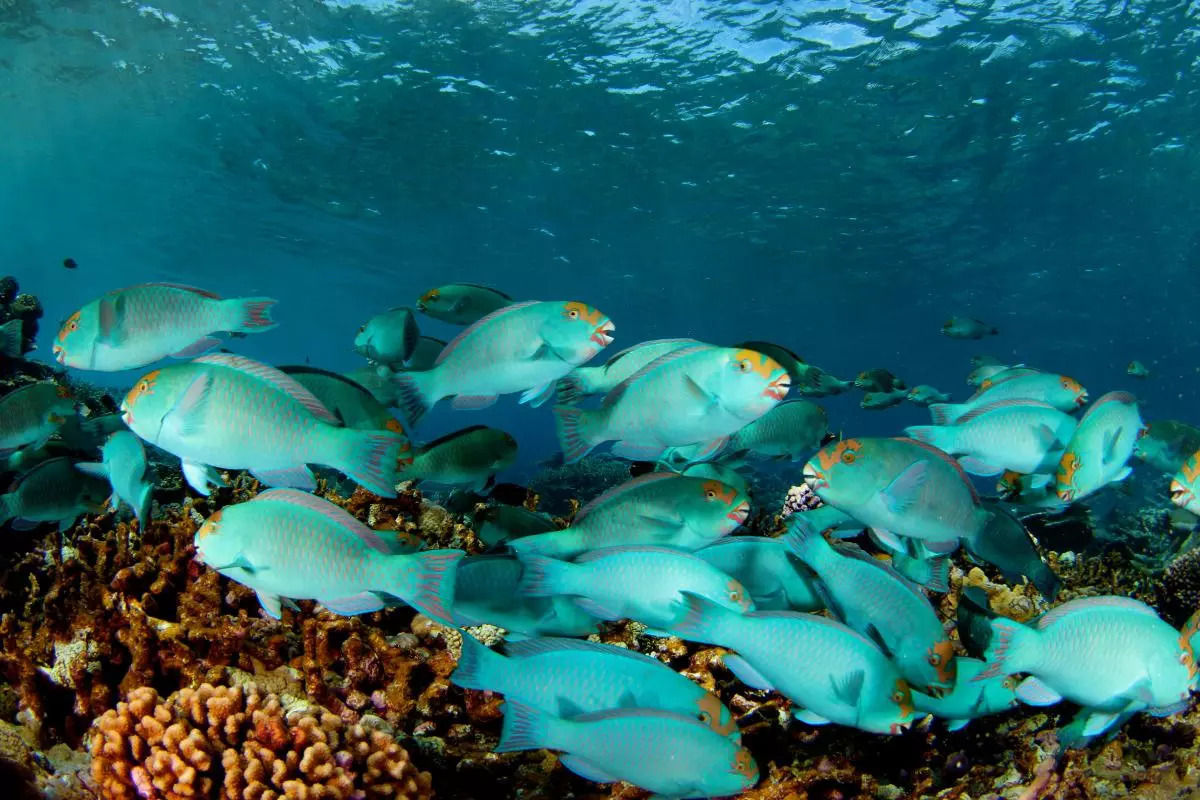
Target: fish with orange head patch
pixel 1099 452
pixel 1057 391
pixel 1185 485
pixel 969 699
pixel 462 303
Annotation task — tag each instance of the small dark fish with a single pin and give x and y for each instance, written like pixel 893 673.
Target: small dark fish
pixel 1007 545
pixel 70 263
pixel 512 494
pixel 878 380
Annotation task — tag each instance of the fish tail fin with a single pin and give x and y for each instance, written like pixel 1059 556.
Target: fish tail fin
pixel 570 390
pixel 940 437
pixel 412 394
pixel 932 573
pixel 250 314
pixel 479 667
pixel 525 728
pixel 372 459
pixel 12 338
pixel 542 576
pixel 144 497
pixel 1012 649
pixel 945 413
pixel 7 512
pixel 701 620
pixel 425 581
pixel 575 433
pixel 803 538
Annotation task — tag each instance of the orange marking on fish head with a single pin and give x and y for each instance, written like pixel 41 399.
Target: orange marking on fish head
pixel 429 297
pixel 743 764
pixel 738 594
pixel 1188 656
pixel 1067 467
pixel 1010 482
pixel 210 525
pixel 941 658
pixel 1191 468
pixel 140 389
pixel 577 310
pixel 758 363
pixel 1074 387
pixel 709 712
pixel 715 490
pixel 69 327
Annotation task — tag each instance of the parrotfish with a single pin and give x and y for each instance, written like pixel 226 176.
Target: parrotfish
pixel 568 677
pixel 722 473
pixel 133 327
pixel 877 401
pixel 1024 436
pixel 797 370
pixel 970 699
pixel 899 487
pixel 775 579
pixel 1186 484
pixel 31 414
pixel 462 303
pixel 1029 491
pixel 875 600
pixel 88 434
pixel 1008 546
pixel 672 755
pixel 1166 444
pixel 123 465
pixel 525 347
pixel 1109 654
pixel 661 508
pixel 388 338
pixel 499 523
pixel 469 457
pixel 232 412
pixel 485 591
pixel 350 402
pixel 983 368
pixel 53 491
pixel 967 328
pixel 1137 369
pixel 1059 391
pixel 815 382
pixel 830 672
pixel 926 395
pixel 382 387
pixel 788 432
pixel 878 380
pixel 585 381
pixel 639 583
pixel 699 394
pixel 290 545
pixel 1099 452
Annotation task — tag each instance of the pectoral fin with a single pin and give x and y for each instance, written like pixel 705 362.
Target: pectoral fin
pixel 901 494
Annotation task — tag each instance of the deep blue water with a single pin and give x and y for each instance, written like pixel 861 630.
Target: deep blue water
pixel 837 176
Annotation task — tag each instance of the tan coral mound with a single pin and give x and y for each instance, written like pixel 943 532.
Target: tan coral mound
pixel 238 744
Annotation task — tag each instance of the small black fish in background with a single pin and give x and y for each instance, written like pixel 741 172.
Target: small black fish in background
pixel 70 263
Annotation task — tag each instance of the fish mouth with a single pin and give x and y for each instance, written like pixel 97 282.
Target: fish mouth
pixel 814 478
pixel 740 513
pixel 1081 401
pixel 778 388
pixel 937 691
pixel 60 355
pixel 1179 493
pixel 897 728
pixel 603 335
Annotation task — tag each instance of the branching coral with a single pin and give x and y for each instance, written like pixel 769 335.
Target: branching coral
pixel 240 744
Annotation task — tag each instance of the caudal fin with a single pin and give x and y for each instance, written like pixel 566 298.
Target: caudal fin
pixel 804 538
pixel 373 459
pixel 525 728
pixel 412 394
pixel 144 497
pixel 946 413
pixel 940 437
pixel 12 338
pixel 570 390
pixel 701 620
pixel 543 577
pixel 479 667
pixel 250 314
pixel 1012 649
pixel 575 432
pixel 426 582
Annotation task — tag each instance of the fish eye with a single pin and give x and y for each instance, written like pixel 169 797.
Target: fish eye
pixel 735 595
pixel 897 696
pixel 848 457
pixel 742 365
pixel 573 314
pixel 704 717
pixel 710 494
pixel 935 659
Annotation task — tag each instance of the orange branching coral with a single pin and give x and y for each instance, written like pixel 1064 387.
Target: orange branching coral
pixel 240 744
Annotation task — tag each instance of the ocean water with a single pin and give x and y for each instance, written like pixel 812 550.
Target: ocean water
pixel 837 176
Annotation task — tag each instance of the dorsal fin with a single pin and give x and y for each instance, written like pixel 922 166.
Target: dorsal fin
pixel 553 644
pixel 304 369
pixel 636 483
pixel 1106 601
pixel 734 540
pixel 331 512
pixel 653 342
pixel 182 286
pixel 946 458
pixel 1111 397
pixel 491 289
pixel 279 380
pixel 453 435
pixel 814 619
pixel 467 331
pixel 619 390
pixel 639 713
pixel 995 404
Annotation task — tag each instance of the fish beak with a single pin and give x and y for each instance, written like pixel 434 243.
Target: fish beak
pixel 1179 493
pixel 603 335
pixel 60 355
pixel 1081 401
pixel 778 388
pixel 897 728
pixel 814 478
pixel 740 513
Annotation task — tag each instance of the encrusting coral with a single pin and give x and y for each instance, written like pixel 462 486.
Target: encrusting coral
pixel 240 744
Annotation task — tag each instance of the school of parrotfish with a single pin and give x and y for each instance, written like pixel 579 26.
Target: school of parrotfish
pixel 849 637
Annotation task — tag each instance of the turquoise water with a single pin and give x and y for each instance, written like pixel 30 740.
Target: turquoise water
pixel 836 176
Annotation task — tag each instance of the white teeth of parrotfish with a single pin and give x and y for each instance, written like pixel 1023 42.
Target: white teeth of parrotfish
pixel 659 508
pixel 694 395
pixel 288 545
pixel 1080 652
pixel 587 677
pixel 232 412
pixel 134 327
pixel 523 347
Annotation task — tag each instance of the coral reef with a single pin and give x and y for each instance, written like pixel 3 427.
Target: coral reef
pixel 1179 588
pixel 241 743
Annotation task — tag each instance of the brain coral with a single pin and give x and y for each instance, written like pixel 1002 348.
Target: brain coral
pixel 238 744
